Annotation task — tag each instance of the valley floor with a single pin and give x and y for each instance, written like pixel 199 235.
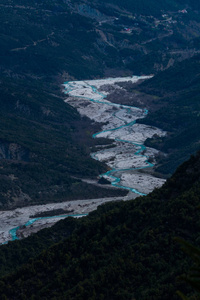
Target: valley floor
pixel 127 158
pixel 20 222
pixel 128 155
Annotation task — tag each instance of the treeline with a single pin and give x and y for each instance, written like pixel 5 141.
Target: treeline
pixel 124 250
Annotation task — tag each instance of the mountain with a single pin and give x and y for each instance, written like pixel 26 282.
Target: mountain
pixel 85 39
pixel 44 144
pixel 174 107
pixel 124 250
pixel 44 148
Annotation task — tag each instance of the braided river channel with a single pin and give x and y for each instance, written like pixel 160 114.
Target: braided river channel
pixel 128 154
pixel 127 159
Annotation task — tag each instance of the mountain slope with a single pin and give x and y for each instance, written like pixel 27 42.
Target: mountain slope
pixel 44 147
pixel 176 110
pixel 89 39
pixel 125 250
pixel 43 142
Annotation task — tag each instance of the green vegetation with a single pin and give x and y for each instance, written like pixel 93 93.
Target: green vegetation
pixel 45 38
pixel 43 143
pixel 193 278
pixel 176 111
pixel 39 38
pixel 124 250
pixel 152 7
pixel 15 254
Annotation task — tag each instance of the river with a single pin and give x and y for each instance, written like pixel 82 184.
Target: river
pixel 125 159
pixel 13 231
pixel 128 154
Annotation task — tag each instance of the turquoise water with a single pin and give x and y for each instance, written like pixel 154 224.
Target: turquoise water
pixel 13 231
pixel 110 174
pixel 116 180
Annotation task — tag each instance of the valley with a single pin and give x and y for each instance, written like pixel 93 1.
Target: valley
pixel 128 155
pixel 99 179
pixel 125 158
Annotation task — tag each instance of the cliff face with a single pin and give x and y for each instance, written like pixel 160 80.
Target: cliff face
pixel 13 151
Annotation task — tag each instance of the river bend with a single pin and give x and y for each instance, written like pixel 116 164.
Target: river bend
pixel 125 159
pixel 129 155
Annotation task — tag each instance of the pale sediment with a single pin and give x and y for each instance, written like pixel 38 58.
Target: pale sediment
pixel 21 216
pixel 125 159
pixel 129 153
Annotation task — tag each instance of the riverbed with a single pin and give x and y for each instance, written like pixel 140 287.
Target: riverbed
pixel 125 159
pixel 19 223
pixel 128 156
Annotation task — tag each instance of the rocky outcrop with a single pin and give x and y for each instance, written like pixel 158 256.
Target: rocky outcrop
pixel 88 11
pixel 13 151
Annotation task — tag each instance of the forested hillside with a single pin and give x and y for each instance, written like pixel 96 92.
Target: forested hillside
pixel 176 110
pixel 44 148
pixel 91 39
pixel 44 144
pixel 124 250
